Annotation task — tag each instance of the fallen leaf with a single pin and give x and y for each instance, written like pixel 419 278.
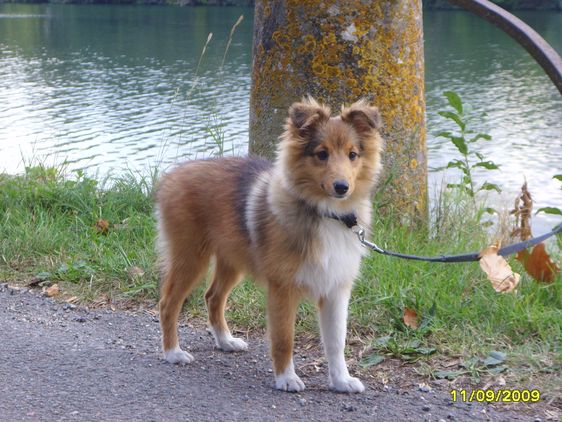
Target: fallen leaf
pixel 52 290
pixel 135 272
pixel 498 270
pixel 410 318
pixel 102 226
pixel 103 300
pixel 538 264
pixel 154 313
pixel 451 363
pixel 423 387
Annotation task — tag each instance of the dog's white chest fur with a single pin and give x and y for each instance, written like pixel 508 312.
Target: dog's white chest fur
pixel 334 262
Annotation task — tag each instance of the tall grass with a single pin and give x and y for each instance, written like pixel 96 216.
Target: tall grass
pixel 214 143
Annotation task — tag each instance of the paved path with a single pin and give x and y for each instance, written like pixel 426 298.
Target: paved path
pixel 59 362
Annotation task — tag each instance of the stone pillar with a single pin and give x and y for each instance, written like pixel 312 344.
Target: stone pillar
pixel 339 51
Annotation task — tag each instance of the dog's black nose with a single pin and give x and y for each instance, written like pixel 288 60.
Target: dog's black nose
pixel 341 187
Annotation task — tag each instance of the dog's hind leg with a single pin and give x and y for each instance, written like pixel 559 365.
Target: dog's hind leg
pixel 226 277
pixel 184 272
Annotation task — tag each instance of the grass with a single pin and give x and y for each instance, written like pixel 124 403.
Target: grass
pixel 48 233
pixel 48 229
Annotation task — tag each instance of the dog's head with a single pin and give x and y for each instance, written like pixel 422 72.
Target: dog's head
pixel 331 159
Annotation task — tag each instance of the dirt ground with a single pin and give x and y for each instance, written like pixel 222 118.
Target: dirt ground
pixel 64 362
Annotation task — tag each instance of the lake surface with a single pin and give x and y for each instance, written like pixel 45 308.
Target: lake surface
pixel 113 88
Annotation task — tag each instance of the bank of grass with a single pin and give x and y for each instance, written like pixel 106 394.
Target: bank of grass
pixel 48 234
pixel 47 229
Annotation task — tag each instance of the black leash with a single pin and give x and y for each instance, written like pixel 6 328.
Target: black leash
pixel 350 220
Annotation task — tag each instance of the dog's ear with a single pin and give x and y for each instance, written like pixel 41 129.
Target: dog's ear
pixel 363 117
pixel 306 116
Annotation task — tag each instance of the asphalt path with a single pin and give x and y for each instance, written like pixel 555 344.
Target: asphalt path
pixel 68 363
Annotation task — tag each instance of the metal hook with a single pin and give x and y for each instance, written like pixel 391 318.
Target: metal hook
pixel 360 232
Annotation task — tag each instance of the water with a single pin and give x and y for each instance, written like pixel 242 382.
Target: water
pixel 111 88
pixel 523 109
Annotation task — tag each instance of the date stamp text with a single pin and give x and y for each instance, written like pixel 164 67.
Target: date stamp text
pixel 496 396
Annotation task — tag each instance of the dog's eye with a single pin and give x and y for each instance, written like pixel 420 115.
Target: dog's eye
pixel 322 155
pixel 352 155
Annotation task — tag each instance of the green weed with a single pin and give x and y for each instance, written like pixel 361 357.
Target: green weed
pixel 552 210
pixel 463 141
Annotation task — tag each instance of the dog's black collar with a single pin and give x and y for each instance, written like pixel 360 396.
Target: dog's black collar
pixel 350 220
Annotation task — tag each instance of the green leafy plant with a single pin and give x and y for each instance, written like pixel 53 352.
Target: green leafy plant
pixel 552 210
pixel 476 367
pixel 463 140
pixel 71 271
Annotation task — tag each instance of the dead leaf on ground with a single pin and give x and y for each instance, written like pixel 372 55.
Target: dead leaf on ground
pixel 498 270
pixel 135 272
pixel 152 312
pixel 101 301
pixel 538 264
pixel 410 318
pixel 451 363
pixel 51 291
pixel 102 226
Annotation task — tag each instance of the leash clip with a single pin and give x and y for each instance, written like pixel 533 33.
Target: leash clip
pixel 360 232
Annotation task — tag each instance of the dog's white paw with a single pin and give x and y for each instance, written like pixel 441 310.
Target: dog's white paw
pixel 290 382
pixel 177 355
pixel 347 385
pixel 234 344
pixel 227 343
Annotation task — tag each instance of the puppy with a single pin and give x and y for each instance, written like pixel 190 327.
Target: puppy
pixel 285 223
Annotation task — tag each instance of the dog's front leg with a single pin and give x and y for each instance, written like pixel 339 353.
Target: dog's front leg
pixel 282 303
pixel 333 327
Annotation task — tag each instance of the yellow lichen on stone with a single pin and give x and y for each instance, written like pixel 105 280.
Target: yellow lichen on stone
pixel 339 51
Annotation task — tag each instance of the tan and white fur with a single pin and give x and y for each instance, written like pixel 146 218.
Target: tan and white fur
pixel 279 223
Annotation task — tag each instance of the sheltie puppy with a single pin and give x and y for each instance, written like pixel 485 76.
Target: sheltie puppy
pixel 285 223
